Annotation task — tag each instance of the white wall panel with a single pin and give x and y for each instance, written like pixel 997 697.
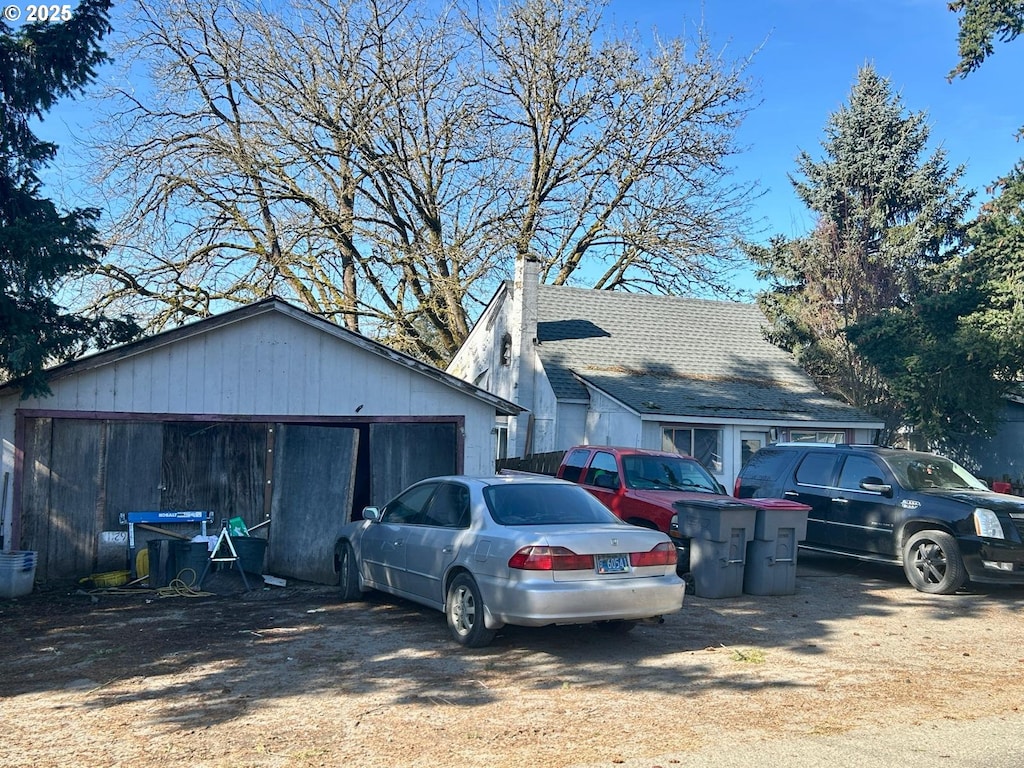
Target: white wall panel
pixel 272 364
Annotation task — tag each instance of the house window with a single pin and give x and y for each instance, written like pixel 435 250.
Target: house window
pixel 705 445
pixel 501 441
pixel 751 443
pixel 506 349
pixel 834 436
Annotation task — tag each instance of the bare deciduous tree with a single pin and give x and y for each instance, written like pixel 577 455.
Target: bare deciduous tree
pixel 383 162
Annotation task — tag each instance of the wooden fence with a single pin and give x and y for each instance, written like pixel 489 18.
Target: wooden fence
pixel 540 463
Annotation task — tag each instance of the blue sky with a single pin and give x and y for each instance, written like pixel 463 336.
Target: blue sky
pixel 810 51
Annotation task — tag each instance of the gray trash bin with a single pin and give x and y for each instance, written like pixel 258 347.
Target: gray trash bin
pixel 718 530
pixel 779 525
pixel 190 560
pixel 161 562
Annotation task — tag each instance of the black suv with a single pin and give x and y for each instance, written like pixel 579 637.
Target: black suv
pixel 916 509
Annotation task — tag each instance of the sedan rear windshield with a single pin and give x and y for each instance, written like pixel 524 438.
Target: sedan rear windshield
pixel 545 504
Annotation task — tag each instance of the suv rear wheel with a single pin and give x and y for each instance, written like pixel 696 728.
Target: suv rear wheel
pixel 932 562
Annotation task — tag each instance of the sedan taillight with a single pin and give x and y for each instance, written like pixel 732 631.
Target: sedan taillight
pixel 663 554
pixel 550 559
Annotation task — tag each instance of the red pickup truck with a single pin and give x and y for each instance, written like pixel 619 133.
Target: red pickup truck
pixel 640 486
pixel 643 487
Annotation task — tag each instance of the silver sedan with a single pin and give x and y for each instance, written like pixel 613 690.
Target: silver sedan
pixel 525 550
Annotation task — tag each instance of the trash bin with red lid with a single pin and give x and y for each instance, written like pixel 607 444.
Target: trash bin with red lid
pixel 779 524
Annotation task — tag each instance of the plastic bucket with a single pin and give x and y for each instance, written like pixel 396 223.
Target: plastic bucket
pixel 110 579
pixel 17 573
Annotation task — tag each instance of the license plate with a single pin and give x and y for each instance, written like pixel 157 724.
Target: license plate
pixel 612 563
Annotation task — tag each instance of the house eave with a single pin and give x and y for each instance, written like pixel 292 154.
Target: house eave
pixel 767 419
pixel 774 418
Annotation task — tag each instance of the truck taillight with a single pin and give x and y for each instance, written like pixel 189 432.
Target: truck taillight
pixel 663 554
pixel 550 559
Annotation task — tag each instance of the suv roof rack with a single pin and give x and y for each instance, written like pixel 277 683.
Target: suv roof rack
pixel 808 444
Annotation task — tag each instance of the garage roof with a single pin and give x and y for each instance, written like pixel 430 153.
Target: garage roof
pixel 273 304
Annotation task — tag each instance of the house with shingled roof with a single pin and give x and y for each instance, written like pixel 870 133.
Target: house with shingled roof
pixel 612 368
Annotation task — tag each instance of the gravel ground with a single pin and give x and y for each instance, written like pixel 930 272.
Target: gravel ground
pixel 292 677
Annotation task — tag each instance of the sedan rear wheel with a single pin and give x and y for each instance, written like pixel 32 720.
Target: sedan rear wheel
pixel 349 574
pixel 464 610
pixel 932 562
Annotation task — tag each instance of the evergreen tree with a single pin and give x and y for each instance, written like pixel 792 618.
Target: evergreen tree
pixel 39 245
pixel 983 22
pixel 889 218
pixel 952 356
pixel 996 265
pixel 942 371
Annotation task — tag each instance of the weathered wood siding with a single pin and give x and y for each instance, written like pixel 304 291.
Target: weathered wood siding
pixel 401 454
pixel 271 364
pixel 314 473
pixel 35 491
pixel 219 467
pixel 61 510
pixel 132 479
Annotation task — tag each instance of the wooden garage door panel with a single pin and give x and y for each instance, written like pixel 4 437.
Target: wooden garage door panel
pixel 314 474
pixel 215 466
pixel 132 469
pixel 402 453
pixel 34 523
pixel 74 497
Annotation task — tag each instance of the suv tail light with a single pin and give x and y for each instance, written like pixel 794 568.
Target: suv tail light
pixel 736 487
pixel 550 559
pixel 662 554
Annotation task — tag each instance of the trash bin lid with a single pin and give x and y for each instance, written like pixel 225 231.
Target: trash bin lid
pixel 715 503
pixel 782 505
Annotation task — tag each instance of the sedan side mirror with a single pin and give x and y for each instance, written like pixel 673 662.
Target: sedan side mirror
pixel 876 485
pixel 372 514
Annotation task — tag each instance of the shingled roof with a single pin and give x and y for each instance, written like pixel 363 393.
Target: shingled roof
pixel 675 356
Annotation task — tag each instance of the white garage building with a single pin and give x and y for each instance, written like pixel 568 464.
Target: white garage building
pixel 267 413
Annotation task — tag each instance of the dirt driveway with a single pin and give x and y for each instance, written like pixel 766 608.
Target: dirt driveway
pixel 291 677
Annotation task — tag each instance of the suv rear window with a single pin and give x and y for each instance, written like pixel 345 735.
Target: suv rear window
pixel 766 463
pixel 817 469
pixel 763 469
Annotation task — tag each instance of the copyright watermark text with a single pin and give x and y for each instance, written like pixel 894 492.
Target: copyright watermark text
pixel 37 13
